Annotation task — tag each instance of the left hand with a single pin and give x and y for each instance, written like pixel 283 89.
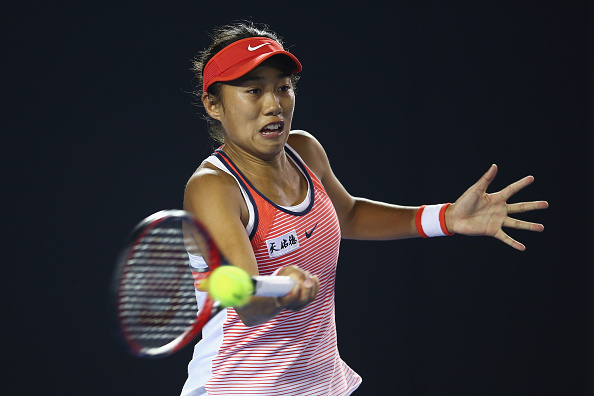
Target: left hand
pixel 479 213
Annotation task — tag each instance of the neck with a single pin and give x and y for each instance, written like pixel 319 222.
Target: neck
pixel 277 177
pixel 256 166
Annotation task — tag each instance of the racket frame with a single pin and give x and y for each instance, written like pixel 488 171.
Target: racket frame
pixel 267 286
pixel 209 309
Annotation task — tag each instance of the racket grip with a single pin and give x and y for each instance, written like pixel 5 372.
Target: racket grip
pixel 273 286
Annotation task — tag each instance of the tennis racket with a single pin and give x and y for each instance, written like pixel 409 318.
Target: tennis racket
pixel 153 295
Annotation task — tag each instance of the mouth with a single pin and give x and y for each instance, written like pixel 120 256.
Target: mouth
pixel 273 129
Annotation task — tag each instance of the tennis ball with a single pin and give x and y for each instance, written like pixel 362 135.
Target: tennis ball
pixel 230 285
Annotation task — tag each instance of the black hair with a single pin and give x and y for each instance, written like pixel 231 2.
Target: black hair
pixel 223 36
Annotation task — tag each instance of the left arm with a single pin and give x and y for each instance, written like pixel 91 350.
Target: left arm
pixel 359 218
pixel 474 213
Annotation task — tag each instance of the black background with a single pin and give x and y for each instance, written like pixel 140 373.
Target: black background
pixel 412 100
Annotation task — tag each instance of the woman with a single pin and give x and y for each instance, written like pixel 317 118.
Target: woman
pixel 274 206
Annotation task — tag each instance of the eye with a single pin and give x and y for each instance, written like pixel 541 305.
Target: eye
pixel 285 88
pixel 254 91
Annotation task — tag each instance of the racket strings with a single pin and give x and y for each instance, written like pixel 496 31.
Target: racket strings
pixel 157 295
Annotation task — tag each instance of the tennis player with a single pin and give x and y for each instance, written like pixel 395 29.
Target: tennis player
pixel 273 205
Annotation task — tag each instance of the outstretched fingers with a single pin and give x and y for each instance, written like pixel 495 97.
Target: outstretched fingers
pixel 489 212
pixel 513 188
pixel 487 178
pixel 502 236
pixel 522 225
pixel 522 207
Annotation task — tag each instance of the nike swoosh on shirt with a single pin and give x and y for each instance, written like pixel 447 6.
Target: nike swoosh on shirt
pixel 308 234
pixel 250 48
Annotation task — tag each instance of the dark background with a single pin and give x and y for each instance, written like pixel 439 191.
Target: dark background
pixel 412 100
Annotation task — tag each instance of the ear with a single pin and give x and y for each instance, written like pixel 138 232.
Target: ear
pixel 212 106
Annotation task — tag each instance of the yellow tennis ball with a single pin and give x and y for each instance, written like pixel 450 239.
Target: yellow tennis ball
pixel 230 285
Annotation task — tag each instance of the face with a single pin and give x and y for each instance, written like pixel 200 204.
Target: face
pixel 256 111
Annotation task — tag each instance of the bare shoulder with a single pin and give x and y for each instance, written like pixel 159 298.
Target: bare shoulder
pixel 208 186
pixel 208 176
pixel 214 198
pixel 311 150
pixel 305 142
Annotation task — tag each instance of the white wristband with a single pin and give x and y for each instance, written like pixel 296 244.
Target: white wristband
pixel 430 221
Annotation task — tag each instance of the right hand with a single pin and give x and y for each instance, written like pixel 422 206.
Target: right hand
pixel 303 293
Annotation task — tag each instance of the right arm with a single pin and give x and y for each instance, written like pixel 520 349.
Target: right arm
pixel 214 198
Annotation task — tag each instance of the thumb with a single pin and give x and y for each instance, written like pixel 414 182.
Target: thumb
pixel 487 178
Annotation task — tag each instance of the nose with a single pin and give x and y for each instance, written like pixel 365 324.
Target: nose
pixel 272 104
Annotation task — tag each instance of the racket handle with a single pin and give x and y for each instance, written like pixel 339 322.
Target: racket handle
pixel 273 286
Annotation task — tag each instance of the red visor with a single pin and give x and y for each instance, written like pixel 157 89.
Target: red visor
pixel 240 57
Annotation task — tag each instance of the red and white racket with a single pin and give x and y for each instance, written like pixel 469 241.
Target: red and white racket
pixel 153 297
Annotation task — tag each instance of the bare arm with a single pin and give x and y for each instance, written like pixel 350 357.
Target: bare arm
pixel 359 218
pixel 475 213
pixel 215 199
